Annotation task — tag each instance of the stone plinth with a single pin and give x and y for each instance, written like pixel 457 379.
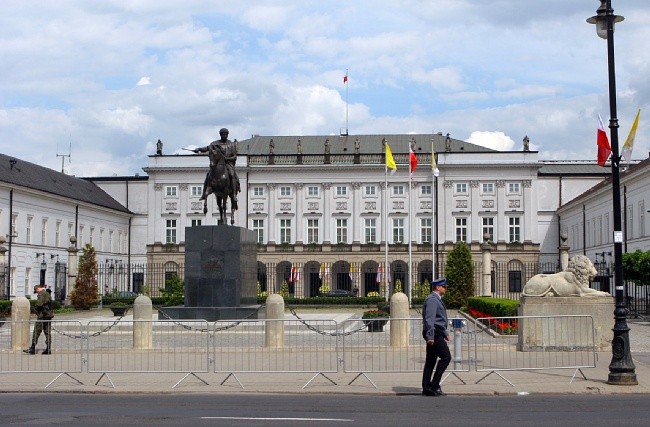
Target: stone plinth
pixel 565 333
pixel 220 274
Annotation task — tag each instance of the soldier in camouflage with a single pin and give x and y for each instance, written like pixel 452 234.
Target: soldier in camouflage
pixel 44 315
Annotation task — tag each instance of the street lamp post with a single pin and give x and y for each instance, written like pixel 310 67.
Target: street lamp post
pixel 621 368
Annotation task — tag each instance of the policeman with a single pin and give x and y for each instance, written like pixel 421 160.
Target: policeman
pixel 43 315
pixel 434 332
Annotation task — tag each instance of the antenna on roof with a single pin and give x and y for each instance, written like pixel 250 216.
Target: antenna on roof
pixel 63 156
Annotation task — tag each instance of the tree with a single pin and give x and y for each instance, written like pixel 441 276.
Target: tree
pixel 86 292
pixel 459 272
pixel 174 291
pixel 636 267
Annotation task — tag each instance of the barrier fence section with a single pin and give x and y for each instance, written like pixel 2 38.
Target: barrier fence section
pixel 534 343
pixel 371 352
pixel 67 349
pixel 148 347
pixel 286 346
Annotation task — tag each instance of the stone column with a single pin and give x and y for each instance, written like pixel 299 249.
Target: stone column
pixel 20 323
pixel 486 265
pixel 299 200
pixel 274 326
pixel 142 324
pixel 73 267
pixel 399 329
pixel 564 251
pixel 356 213
pixel 273 214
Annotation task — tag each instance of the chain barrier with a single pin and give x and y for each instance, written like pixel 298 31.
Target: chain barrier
pixel 318 331
pixel 207 330
pixel 96 334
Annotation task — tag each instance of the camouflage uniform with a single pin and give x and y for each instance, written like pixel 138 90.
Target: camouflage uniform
pixel 43 315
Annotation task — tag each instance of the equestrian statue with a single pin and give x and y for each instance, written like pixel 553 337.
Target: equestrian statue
pixel 221 180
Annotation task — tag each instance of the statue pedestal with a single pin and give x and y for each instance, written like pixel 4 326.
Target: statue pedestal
pixel 565 333
pixel 220 274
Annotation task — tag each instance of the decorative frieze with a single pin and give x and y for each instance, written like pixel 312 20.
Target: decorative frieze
pixel 158 187
pixel 312 206
pixel 514 204
pixel 258 207
pixel 285 206
pixel 426 205
pixel 196 206
pixel 183 187
pixel 398 204
pixel 461 204
pixel 487 204
pixel 447 184
pixel 501 184
pixel 171 206
pixel 371 206
pixel 527 183
pixel 341 206
pixel 473 184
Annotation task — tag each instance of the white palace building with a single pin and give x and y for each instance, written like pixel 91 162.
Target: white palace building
pixel 323 209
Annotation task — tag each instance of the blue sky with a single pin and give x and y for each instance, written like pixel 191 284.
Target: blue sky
pixel 113 77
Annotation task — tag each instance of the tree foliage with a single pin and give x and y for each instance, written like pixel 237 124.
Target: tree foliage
pixel 85 294
pixel 636 267
pixel 174 291
pixel 459 272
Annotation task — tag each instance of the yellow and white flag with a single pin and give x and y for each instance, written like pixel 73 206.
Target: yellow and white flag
pixel 434 165
pixel 390 162
pixel 629 142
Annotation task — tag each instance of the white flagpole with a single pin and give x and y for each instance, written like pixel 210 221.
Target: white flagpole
pixel 347 106
pixel 409 236
pixel 385 226
pixel 433 214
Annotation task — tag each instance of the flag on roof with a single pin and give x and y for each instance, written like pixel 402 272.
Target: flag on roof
pixel 604 149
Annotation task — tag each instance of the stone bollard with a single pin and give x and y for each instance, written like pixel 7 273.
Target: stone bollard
pixel 399 329
pixel 274 330
pixel 20 323
pixel 142 324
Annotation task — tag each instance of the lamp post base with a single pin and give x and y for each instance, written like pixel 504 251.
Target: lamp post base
pixel 622 378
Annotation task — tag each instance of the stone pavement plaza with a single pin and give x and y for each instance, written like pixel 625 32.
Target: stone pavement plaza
pixel 553 381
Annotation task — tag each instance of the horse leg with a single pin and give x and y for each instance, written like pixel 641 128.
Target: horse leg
pixel 205 206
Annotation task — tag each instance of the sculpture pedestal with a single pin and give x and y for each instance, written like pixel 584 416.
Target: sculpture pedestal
pixel 565 333
pixel 220 274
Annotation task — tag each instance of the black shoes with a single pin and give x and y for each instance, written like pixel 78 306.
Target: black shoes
pixel 30 350
pixel 432 392
pixel 47 351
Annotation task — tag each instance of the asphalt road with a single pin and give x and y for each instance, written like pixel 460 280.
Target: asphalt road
pixel 323 410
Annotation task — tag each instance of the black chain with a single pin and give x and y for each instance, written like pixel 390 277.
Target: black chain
pixel 318 331
pixel 96 334
pixel 205 330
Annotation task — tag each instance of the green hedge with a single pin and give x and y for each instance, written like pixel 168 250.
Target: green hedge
pixel 496 307
pixel 5 306
pixel 107 300
pixel 328 301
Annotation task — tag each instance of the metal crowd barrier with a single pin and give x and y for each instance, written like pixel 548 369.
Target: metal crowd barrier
pixel 171 347
pixel 67 350
pixel 521 343
pixel 371 352
pixel 308 346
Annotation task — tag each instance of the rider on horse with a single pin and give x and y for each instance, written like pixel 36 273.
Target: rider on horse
pixel 229 151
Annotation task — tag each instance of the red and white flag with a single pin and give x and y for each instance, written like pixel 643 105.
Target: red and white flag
pixel 413 160
pixel 379 271
pixel 604 149
pixel 345 78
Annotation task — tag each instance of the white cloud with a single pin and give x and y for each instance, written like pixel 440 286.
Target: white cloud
pixel 495 140
pixel 144 81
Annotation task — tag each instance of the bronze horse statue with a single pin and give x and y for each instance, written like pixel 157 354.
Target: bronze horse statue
pixel 219 184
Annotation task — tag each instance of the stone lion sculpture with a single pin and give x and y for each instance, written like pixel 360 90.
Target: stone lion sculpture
pixel 572 282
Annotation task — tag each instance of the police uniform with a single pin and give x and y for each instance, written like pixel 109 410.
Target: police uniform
pixel 434 327
pixel 43 325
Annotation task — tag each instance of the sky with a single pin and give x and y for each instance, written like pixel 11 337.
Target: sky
pixel 104 80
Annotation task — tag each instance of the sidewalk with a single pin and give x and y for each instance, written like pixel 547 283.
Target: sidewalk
pixel 555 381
